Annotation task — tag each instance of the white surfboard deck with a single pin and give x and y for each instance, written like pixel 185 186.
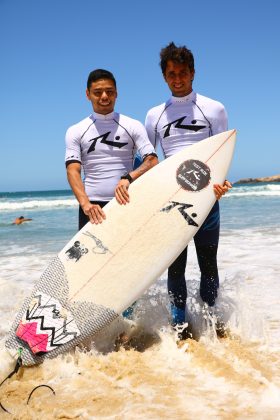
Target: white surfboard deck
pixel 106 267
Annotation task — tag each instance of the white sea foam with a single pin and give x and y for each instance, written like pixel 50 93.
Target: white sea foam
pixel 253 193
pixel 37 204
pixel 208 378
pixel 269 190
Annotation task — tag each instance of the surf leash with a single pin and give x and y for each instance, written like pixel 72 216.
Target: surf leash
pixel 16 369
pixel 39 386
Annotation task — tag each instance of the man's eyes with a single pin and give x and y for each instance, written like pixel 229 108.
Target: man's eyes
pixel 99 92
pixel 183 73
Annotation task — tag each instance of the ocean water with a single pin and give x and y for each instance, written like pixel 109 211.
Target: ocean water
pixel 154 377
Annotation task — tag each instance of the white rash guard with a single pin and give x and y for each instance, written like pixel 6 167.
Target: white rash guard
pixel 181 122
pixel 105 146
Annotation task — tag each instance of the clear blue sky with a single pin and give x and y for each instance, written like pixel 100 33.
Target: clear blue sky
pixel 48 47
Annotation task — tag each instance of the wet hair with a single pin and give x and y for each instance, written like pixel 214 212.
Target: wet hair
pixel 21 217
pixel 180 55
pixel 100 74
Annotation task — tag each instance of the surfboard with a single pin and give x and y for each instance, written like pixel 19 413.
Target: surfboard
pixel 106 267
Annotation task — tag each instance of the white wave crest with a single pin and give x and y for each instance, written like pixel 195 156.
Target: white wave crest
pixel 255 190
pixel 34 204
pixel 253 193
pixel 273 187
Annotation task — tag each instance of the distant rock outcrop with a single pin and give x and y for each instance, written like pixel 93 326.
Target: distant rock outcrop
pixel 274 178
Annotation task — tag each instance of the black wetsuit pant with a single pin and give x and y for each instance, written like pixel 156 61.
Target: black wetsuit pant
pixel 83 218
pixel 206 243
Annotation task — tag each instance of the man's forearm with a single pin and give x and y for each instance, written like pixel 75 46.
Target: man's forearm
pixel 148 163
pixel 77 187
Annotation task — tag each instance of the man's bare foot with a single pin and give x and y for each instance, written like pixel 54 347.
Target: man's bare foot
pixel 122 341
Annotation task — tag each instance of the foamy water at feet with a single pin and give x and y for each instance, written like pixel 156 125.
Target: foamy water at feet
pixel 237 377
pixel 200 379
pixel 154 377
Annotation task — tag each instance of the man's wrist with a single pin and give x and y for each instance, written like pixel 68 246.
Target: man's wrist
pixel 127 176
pixel 84 201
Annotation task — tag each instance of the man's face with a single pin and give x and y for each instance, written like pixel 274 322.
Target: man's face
pixel 179 78
pixel 102 94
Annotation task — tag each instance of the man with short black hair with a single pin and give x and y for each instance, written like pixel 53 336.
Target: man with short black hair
pixel 104 145
pixel 185 119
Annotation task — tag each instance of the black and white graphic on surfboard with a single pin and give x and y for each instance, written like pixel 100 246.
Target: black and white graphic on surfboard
pixel 193 175
pixel 181 207
pixel 76 251
pixel 99 248
pixel 46 325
